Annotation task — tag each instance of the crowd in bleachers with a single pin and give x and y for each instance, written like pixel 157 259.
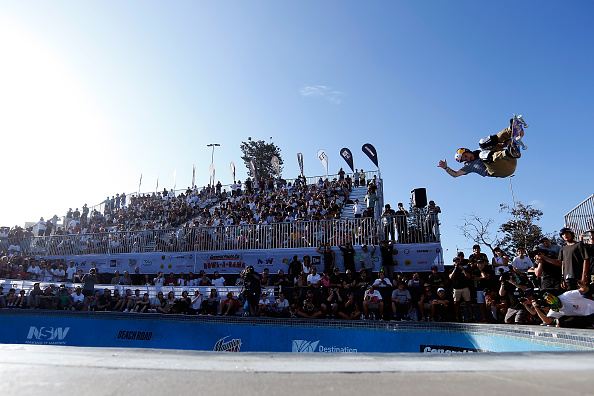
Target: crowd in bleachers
pixel 197 219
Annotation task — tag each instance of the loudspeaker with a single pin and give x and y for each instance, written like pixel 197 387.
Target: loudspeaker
pixel 418 198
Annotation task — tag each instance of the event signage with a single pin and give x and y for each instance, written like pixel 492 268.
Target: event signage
pixel 410 258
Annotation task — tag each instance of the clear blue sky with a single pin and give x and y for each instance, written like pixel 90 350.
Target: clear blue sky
pixel 96 93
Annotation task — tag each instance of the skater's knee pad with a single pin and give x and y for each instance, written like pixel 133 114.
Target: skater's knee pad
pixel 489 142
pixel 486 156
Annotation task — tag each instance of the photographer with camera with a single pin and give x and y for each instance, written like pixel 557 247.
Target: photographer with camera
pixel 331 305
pixel 253 288
pixel 570 309
pixel 548 269
pixel 461 278
pixel 513 287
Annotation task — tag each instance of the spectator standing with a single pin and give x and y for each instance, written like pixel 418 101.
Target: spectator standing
pixel 461 280
pixel 388 220
pixel 574 258
pixel 388 252
pixel 357 210
pixel 328 255
pixel 522 263
pixel 348 256
pixel 89 282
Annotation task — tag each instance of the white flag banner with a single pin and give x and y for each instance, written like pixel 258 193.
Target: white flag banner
pixel 212 174
pixel 323 157
pixel 232 166
pixel 276 165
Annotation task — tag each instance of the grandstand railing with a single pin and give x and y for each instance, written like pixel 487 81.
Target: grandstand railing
pixel 581 218
pixel 414 228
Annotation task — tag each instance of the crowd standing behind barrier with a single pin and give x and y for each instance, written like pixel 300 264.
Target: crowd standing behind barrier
pixel 473 290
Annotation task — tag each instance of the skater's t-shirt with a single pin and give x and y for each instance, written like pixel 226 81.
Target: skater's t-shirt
pixel 476 166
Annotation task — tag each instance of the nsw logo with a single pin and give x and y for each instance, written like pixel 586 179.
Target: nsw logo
pixel 47 335
pixel 304 346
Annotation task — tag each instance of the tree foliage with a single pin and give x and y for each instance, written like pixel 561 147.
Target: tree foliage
pixel 262 153
pixel 520 230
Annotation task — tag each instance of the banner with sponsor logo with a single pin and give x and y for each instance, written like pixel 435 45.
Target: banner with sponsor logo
pixel 116 330
pixel 346 154
pixel 410 258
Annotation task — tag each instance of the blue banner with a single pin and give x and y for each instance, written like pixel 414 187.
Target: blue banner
pixel 247 335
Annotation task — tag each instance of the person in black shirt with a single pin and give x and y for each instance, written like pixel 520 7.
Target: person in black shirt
pixel 387 250
pixel 136 277
pixel 436 279
pixel 348 255
pixel 548 269
pixel 295 268
pixel 282 280
pixel 512 289
pixel 461 280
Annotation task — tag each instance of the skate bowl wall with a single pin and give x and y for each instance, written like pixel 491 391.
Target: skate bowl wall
pixel 106 329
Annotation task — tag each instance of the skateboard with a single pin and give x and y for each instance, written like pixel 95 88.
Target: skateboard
pixel 518 124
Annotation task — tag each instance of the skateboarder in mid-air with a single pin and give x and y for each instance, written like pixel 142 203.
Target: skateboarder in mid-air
pixel 497 156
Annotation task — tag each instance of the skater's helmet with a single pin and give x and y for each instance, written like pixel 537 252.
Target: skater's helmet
pixel 460 152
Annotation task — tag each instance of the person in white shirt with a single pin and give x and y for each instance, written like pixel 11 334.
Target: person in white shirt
pixel 70 272
pixel 357 210
pixel 76 299
pixel 218 280
pixel 522 263
pixel 159 280
pixel 314 279
pixel 372 300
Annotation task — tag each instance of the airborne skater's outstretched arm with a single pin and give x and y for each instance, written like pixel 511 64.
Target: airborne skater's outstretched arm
pixel 454 173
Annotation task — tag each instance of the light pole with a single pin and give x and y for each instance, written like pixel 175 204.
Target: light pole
pixel 213 145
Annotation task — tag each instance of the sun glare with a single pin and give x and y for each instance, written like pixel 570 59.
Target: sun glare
pixel 47 119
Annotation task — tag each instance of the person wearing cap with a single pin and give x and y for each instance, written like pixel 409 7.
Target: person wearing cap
pixel 545 243
pixel 574 257
pixel 461 278
pixel 372 300
pixel 441 306
pixel 571 309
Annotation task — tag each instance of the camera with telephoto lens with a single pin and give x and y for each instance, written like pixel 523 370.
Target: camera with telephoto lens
pixel 571 283
pixel 503 276
pixel 532 294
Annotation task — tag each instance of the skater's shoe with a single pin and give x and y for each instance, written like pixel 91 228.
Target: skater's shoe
pixel 513 151
pixel 488 143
